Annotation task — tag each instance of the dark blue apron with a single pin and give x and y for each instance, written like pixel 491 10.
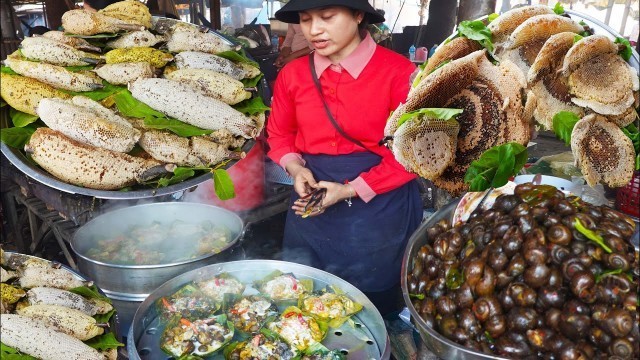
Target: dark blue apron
pixel 363 244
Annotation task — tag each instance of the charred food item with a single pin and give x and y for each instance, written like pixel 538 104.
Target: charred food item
pixel 547 81
pixel 539 275
pixel 83 22
pixel 89 166
pixel 603 152
pixel 598 78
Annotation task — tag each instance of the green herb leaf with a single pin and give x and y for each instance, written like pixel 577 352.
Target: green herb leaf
pixel 601 276
pixel 417 296
pixel 180 174
pixel 9 353
pixel 99 94
pixel 90 293
pixel 104 342
pixel 454 278
pixel 492 17
pixel 21 119
pixel 175 126
pixel 16 137
pixel 253 82
pixel 434 113
pixel 3 103
pixel 591 235
pixel 252 106
pixel 7 70
pixel 495 166
pixel 130 106
pixel 563 123
pixel 478 31
pixel 223 184
pixel 238 57
pixel 558 9
pixel 104 318
pixel 577 38
pixel 626 52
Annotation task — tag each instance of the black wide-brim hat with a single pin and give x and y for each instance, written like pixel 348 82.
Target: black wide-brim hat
pixel 289 13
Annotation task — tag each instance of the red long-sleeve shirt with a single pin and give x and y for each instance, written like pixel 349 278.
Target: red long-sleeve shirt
pixel 361 93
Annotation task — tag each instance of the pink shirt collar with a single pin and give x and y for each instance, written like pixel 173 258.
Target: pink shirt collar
pixel 354 63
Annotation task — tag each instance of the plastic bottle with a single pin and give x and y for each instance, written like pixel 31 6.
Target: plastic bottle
pixel 274 42
pixel 412 53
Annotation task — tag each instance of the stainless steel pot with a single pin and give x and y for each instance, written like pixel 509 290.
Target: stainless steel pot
pixel 135 282
pixel 366 340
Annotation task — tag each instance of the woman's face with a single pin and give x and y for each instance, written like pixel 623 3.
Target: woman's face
pixel 333 31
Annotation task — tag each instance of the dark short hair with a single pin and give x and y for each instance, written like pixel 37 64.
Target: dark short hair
pixel 99 4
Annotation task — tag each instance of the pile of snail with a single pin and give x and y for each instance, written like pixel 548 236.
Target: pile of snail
pixel 539 275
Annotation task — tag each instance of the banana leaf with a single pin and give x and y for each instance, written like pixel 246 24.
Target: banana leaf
pixel 189 302
pixel 275 286
pixel 320 352
pixel 182 337
pixel 292 318
pixel 334 308
pixel 267 345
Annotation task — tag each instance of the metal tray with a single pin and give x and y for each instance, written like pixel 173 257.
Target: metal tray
pixel 367 340
pixel 29 168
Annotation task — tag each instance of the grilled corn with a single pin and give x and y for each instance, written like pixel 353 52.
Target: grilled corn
pixel 56 76
pixel 197 151
pixel 141 38
pixel 196 41
pixel 24 94
pixel 10 294
pixel 69 321
pixel 213 84
pixel 131 11
pixel 34 274
pixel 55 52
pixel 53 296
pixel 83 22
pixel 156 58
pixel 182 103
pixel 89 166
pixel 85 125
pixel 33 337
pixel 75 42
pixel 199 60
pixel 124 73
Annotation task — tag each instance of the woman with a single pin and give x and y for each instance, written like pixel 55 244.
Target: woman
pixel 360 228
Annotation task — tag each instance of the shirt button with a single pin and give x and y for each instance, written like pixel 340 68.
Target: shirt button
pixel 331 91
pixel 333 143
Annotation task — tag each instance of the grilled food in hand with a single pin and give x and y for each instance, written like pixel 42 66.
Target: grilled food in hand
pixel 56 76
pixel 83 22
pixel 181 102
pixel 54 52
pixel 84 165
pixel 23 93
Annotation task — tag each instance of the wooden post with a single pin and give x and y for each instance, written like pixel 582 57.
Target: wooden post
pixel 54 10
pixel 442 19
pixel 216 19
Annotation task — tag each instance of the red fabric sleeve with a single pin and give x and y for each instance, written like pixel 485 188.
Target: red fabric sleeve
pixel 281 126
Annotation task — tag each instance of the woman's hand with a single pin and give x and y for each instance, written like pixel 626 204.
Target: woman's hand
pixel 335 192
pixel 303 181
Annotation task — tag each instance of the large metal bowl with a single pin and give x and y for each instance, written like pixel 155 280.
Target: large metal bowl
pixel 29 168
pixel 365 341
pixel 135 282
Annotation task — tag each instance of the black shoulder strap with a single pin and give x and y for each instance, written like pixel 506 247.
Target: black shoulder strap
pixel 326 107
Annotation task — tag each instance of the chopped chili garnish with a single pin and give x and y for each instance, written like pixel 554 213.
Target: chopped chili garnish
pixel 168 305
pixel 301 319
pixel 217 282
pixel 290 314
pixel 188 323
